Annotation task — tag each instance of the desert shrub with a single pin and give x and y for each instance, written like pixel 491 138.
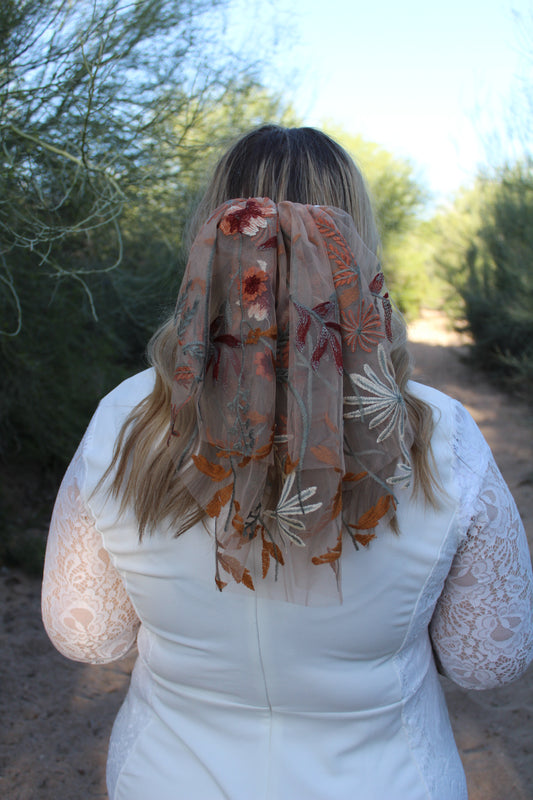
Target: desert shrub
pixel 490 264
pixel 109 115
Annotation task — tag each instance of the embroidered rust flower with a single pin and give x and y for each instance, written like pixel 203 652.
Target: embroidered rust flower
pixel 254 284
pixel 248 220
pixel 361 331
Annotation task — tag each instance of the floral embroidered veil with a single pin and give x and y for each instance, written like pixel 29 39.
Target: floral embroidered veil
pixel 302 437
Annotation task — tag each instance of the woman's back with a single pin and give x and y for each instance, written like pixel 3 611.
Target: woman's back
pixel 250 693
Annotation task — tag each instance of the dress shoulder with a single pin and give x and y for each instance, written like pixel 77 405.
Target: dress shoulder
pixel 106 424
pixel 131 391
pixel 431 396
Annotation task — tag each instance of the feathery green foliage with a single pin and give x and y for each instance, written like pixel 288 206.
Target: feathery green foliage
pixel 107 113
pixel 486 249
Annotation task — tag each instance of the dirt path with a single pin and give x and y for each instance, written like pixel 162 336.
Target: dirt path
pixel 56 715
pixel 493 728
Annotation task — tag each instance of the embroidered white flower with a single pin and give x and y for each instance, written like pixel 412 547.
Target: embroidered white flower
pixel 258 311
pixel 403 476
pixel 404 470
pixel 385 400
pixel 288 509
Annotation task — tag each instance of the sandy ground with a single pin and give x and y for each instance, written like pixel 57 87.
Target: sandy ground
pixel 56 715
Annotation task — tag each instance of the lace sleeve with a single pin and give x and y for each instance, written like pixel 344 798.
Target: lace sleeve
pixel 482 628
pixel 86 610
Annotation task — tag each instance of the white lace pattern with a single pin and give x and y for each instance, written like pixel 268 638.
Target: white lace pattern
pixel 482 628
pixel 86 609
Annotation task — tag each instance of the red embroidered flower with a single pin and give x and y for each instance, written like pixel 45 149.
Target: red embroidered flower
pixel 217 339
pixel 264 364
pixel 248 220
pixel 327 331
pixel 254 284
pixel 362 331
pixel 376 285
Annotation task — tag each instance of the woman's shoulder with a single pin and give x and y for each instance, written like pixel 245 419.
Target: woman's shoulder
pixel 433 397
pixel 455 425
pixel 114 408
pixel 99 441
pixel 131 391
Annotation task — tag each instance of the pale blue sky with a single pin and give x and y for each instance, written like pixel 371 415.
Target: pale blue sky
pixel 428 81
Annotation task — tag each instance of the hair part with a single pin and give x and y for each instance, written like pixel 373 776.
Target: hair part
pixel 302 165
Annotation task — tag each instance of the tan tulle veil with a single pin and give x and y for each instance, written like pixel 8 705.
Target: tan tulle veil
pixel 302 438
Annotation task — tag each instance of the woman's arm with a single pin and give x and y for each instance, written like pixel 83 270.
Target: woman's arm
pixel 86 609
pixel 482 628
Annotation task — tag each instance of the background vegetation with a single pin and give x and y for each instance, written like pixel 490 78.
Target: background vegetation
pixel 111 116
pixel 484 246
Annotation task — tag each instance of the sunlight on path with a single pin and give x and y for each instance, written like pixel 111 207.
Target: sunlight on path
pixel 434 327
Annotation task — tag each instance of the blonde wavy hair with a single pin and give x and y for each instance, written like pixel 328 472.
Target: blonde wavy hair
pixel 301 165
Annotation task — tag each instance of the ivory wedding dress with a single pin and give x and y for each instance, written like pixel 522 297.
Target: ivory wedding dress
pixel 240 697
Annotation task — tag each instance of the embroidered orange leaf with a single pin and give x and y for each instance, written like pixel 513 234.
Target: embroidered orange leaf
pixel 337 502
pixel 214 471
pixel 222 451
pixel 337 247
pixel 247 580
pixel 200 283
pixel 210 438
pixel 331 425
pixel 351 476
pixel 236 541
pixel 254 335
pixel 364 538
pixel 272 332
pixel 238 523
pixel 289 464
pixel 333 553
pixel 345 273
pixel 236 538
pixel 348 297
pixel 239 573
pixel 256 417
pixel 220 498
pixel 262 452
pixel 371 517
pixel 343 277
pixel 231 565
pixel 270 550
pixel 183 374
pixel 265 560
pixel 326 455
pixel 220 583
